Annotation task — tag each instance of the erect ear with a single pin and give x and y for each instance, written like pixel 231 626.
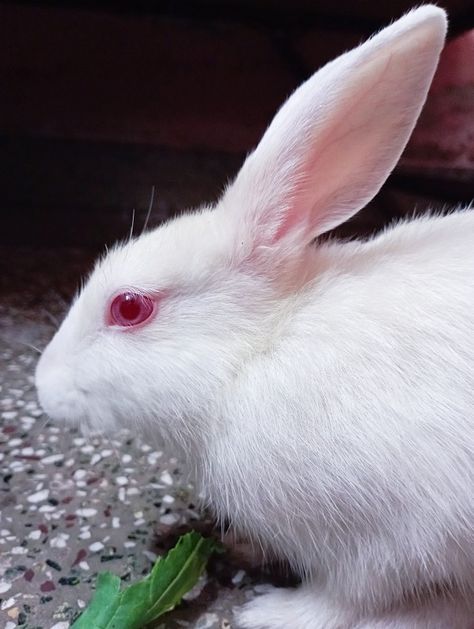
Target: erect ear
pixel 334 142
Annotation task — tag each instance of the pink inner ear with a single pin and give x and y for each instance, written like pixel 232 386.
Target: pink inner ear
pixel 300 214
pixel 288 224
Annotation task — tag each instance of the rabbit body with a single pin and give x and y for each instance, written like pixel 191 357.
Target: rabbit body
pixel 322 392
pixel 348 445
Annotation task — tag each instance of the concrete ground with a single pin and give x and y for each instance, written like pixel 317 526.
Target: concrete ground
pixel 71 507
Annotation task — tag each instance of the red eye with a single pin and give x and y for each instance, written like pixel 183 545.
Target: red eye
pixel 129 309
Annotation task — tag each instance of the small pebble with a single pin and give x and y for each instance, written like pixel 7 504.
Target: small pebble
pixel 60 541
pixel 81 554
pixel 8 415
pixel 150 555
pixel 86 512
pixel 47 508
pixel 238 576
pixel 166 478
pixel 52 458
pixel 17 466
pixel 9 602
pixel 207 621
pixel 19 550
pixel 39 496
pixel 169 519
pixel 35 534
pixel 53 564
pixel 153 457
pixel 14 612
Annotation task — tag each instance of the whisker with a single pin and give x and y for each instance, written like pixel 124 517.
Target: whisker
pixel 109 442
pixel 40 426
pixel 130 236
pixel 51 317
pixel 64 302
pixel 150 207
pixel 64 441
pixel 31 346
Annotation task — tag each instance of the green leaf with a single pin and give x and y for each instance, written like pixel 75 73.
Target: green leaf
pixel 103 605
pixel 156 594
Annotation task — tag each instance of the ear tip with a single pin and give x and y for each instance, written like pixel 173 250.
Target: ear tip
pixel 421 29
pixel 429 13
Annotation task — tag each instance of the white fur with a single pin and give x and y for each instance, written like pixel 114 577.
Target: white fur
pixel 322 394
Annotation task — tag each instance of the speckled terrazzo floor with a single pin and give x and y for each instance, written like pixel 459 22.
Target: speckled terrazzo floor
pixel 72 507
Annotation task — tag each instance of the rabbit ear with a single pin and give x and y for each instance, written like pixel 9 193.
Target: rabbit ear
pixel 334 142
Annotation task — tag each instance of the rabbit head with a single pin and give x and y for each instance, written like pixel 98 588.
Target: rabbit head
pixel 166 321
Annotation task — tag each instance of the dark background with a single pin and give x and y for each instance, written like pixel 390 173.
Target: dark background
pixel 101 101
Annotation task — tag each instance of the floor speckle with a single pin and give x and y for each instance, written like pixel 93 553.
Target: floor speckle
pixel 71 507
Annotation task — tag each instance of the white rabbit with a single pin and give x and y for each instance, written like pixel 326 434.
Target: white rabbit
pixel 323 394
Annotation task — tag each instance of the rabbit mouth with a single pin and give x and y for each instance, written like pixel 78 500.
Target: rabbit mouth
pixel 63 407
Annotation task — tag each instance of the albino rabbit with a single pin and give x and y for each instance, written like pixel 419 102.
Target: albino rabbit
pixel 323 394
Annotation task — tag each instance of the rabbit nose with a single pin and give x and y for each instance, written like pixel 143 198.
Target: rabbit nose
pixel 55 390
